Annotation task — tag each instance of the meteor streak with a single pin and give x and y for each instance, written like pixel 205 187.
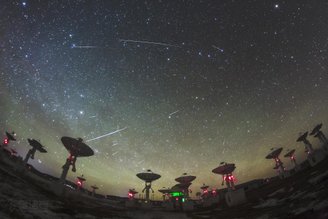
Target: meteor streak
pixel 218 48
pixel 173 113
pixel 147 42
pixel 108 134
pixel 116 152
pixel 83 47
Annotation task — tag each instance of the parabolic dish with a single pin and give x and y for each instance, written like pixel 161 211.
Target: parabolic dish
pixel 76 147
pixel 164 191
pixel 37 145
pixel 148 176
pixel 204 187
pixel 225 169
pixel 180 187
pixel 81 178
pixel 316 129
pixel 290 153
pixel 184 179
pixel 274 154
pixel 10 136
pixel 302 137
pixel 132 191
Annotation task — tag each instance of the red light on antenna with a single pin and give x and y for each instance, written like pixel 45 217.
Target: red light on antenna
pixel 6 141
pixel 70 157
pixel 79 183
pixel 214 192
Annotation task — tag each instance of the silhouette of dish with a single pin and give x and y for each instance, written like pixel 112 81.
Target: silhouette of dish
pixel 274 154
pixel 290 153
pixel 204 187
pixel 302 137
pixel 164 191
pixel 133 191
pixel 10 136
pixel 94 187
pixel 185 179
pixel 227 168
pixel 76 147
pixel 81 178
pixel 37 145
pixel 148 176
pixel 316 129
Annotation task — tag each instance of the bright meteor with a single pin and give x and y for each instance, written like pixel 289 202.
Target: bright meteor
pixel 218 48
pixel 108 134
pixel 74 46
pixel 170 115
pixel 147 42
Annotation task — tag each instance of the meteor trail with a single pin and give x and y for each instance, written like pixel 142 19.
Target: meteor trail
pixel 116 152
pixel 218 48
pixel 173 113
pixel 83 47
pixel 148 42
pixel 108 134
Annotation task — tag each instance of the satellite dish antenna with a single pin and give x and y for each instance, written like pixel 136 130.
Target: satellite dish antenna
pixel 226 169
pixel 94 188
pixel 291 155
pixel 165 192
pixel 148 177
pixel 76 148
pixel 185 178
pixel 185 181
pixel 316 132
pixel 132 193
pixel 274 154
pixel 80 181
pixel 308 145
pixel 181 188
pixel 204 189
pixel 9 137
pixel 36 146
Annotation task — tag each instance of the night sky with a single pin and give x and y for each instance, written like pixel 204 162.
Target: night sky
pixel 191 83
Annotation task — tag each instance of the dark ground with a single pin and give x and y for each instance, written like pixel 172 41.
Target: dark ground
pixel 303 195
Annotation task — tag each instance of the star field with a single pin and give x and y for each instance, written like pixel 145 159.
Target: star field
pixel 192 83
